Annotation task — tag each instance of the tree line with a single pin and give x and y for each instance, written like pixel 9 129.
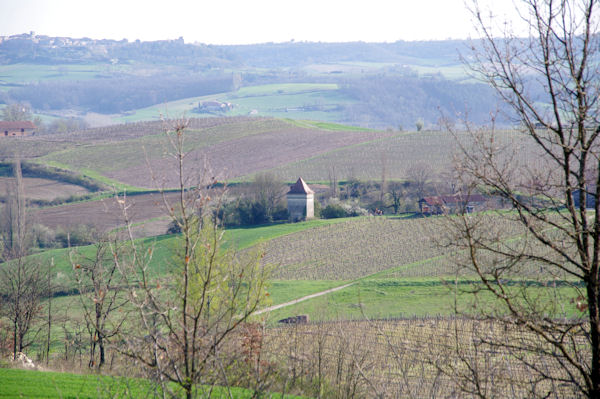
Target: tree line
pixel 120 93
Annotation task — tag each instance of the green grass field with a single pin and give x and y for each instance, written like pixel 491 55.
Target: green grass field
pixel 325 125
pixel 392 298
pixel 51 385
pixel 244 237
pixel 18 74
pixel 316 101
pixel 37 384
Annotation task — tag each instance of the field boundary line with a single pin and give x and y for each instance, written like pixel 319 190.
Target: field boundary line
pixel 304 298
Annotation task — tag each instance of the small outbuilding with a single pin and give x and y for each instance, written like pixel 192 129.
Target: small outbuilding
pixel 16 128
pixel 456 203
pixel 301 201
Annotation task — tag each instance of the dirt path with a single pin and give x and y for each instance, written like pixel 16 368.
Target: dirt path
pixel 304 298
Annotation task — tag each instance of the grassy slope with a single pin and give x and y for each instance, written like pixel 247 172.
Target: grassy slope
pixel 278 100
pixel 405 282
pixel 244 237
pixel 241 238
pixel 47 385
pixel 37 384
pixel 385 298
pixel 18 74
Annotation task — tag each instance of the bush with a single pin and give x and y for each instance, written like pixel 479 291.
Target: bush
pixel 318 209
pixel 246 212
pixel 43 236
pixel 76 236
pixel 337 209
pixel 333 211
pixel 174 227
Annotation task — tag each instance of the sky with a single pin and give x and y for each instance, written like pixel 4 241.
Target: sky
pixel 246 21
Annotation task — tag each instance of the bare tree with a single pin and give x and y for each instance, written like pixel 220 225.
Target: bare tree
pixel 13 222
pixel 22 287
pixel 100 285
pixel 182 324
pixel 396 193
pixel 268 191
pixel 21 280
pixel 552 235
pixel 333 181
pixel 382 190
pixel 17 112
pixel 419 175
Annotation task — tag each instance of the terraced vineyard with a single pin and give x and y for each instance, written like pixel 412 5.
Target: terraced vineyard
pixel 236 148
pixel 353 249
pixel 388 246
pixel 232 148
pixel 399 153
pixel 416 358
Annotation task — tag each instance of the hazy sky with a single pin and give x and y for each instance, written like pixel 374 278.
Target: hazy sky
pixel 245 21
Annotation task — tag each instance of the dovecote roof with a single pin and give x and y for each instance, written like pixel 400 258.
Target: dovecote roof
pixel 300 187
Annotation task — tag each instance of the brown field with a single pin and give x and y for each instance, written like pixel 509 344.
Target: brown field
pixel 106 214
pixel 44 189
pixel 246 155
pixel 44 144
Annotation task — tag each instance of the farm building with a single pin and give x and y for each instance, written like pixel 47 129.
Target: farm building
pixel 214 106
pixel 439 204
pixel 16 128
pixel 301 201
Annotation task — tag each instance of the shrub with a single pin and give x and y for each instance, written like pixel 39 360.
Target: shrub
pixel 76 236
pixel 336 209
pixel 174 227
pixel 43 236
pixel 333 211
pixel 246 212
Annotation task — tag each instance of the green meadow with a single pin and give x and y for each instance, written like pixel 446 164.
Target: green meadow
pixel 15 384
pixel 314 101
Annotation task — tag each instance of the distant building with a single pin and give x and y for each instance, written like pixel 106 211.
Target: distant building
pixel 16 128
pixel 214 106
pixel 301 201
pixel 590 197
pixel 456 203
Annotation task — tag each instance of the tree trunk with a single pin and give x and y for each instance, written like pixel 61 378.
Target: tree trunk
pixel 15 328
pixel 593 292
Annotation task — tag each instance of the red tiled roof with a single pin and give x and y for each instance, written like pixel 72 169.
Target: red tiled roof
pixel 300 187
pixel 13 125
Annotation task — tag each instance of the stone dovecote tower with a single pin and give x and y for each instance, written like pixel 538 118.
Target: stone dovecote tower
pixel 301 201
